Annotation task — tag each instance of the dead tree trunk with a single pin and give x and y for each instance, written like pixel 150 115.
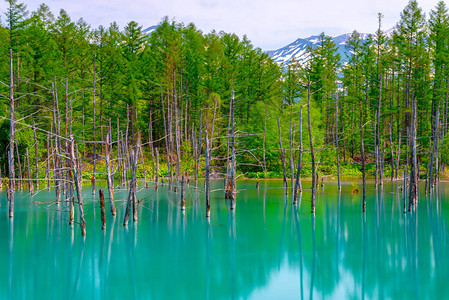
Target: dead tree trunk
pixel 150 138
pixel 36 154
pixel 119 160
pixel 298 187
pixel 405 172
pixel 30 177
pixel 362 152
pixel 143 167
pixel 195 154
pixel 19 167
pixel 336 144
pixel 109 173
pixel 413 159
pixel 264 139
pixel 72 192
pixel 391 152
pixel 125 160
pixel 283 160
pixel 54 131
pixel 292 164
pixel 77 176
pixel 207 177
pixel 398 155
pixel 233 176
pixel 183 193
pixel 93 135
pixel 177 138
pixel 376 151
pixel 379 131
pixel 157 168
pixel 433 152
pixel 103 214
pixel 166 136
pixel 228 165
pixel 312 154
pixel 47 174
pixel 132 188
pixel 12 139
pixel 58 147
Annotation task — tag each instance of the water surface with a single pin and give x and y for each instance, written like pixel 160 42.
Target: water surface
pixel 266 249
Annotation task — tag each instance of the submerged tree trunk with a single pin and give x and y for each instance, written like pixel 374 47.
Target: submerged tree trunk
pixel 103 214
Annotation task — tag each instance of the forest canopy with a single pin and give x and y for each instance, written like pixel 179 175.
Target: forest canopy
pixel 172 85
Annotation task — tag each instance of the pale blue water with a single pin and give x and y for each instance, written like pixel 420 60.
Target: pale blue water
pixel 263 250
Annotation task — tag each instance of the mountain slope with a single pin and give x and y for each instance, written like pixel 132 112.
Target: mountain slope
pixel 298 49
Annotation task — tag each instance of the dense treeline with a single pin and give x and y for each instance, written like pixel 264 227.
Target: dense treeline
pixel 385 104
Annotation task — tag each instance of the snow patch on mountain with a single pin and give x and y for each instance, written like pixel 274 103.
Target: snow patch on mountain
pixel 149 30
pixel 298 50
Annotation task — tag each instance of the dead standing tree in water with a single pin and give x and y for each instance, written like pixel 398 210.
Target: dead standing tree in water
pixel 207 177
pixel 103 214
pixel 12 139
pixel 283 160
pixel 362 151
pixel 93 136
pixel 233 175
pixel 413 193
pixel 312 154
pixel 183 193
pixel 36 154
pixel 157 169
pixel 30 177
pixel 298 187
pixel 77 179
pixel 132 188
pixel 109 173
pixel 336 144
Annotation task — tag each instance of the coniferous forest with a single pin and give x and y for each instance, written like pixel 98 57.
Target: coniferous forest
pixel 180 104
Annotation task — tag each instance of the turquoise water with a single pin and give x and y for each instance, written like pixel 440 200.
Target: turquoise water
pixel 263 250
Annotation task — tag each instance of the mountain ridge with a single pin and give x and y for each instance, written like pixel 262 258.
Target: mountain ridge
pixel 298 49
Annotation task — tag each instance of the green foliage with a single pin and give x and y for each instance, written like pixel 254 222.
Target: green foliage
pixel 174 84
pixel 445 150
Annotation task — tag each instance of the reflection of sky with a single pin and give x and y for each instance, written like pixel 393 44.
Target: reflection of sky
pixel 285 284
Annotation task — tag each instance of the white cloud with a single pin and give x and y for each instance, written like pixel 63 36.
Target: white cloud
pixel 268 24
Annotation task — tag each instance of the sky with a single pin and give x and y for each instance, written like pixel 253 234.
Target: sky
pixel 269 25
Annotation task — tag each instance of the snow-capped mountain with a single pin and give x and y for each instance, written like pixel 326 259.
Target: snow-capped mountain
pixel 149 30
pixel 298 49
